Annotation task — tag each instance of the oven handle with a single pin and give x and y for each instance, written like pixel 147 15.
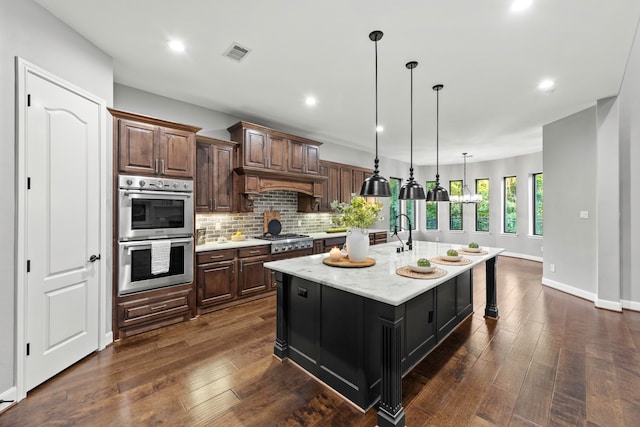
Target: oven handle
pixel 146 242
pixel 136 193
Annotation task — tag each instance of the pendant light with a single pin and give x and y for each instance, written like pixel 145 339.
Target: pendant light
pixel 437 193
pixel 411 190
pixel 467 196
pixel 376 185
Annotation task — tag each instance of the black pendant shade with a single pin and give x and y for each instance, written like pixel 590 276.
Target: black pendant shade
pixel 375 185
pixel 437 193
pixel 411 190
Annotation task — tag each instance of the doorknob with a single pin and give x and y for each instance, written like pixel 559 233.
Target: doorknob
pixel 94 258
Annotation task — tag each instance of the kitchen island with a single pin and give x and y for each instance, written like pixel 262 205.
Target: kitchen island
pixel 359 330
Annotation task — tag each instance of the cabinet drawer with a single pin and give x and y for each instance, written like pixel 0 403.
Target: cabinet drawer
pixel 334 241
pixel 215 256
pixel 149 309
pixel 254 251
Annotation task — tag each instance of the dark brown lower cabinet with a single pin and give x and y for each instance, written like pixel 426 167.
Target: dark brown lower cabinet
pixel 231 276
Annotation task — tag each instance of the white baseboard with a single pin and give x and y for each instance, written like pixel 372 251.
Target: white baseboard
pixel 590 296
pixel 522 256
pixel 108 338
pixel 609 305
pixel 630 305
pixel 10 394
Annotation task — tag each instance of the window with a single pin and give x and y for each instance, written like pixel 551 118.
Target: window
pixel 432 209
pixel 509 205
pixel 409 206
pixel 482 208
pixel 397 207
pixel 394 202
pixel 455 209
pixel 537 204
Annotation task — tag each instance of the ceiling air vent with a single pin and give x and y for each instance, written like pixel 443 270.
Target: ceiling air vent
pixel 236 52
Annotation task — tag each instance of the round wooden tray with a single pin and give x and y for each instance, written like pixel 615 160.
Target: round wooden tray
pixel 346 263
pixel 438 260
pixel 408 272
pixel 462 251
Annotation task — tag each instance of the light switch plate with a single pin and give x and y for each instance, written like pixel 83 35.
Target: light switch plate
pixel 584 214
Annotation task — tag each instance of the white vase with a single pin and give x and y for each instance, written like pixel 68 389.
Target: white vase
pixel 357 244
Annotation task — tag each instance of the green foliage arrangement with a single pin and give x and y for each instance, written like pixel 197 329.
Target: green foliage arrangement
pixel 359 213
pixel 473 245
pixel 452 252
pixel 423 262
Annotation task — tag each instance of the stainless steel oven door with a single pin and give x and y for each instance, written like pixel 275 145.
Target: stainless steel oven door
pixel 135 265
pixel 154 214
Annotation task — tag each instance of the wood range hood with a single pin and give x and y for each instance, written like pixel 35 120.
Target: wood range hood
pixel 249 182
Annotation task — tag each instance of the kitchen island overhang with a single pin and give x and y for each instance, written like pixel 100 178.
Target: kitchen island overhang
pixel 360 330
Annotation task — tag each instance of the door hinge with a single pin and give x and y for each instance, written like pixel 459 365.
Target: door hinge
pixel 28 266
pixel 29 183
pixel 28 348
pixel 29 100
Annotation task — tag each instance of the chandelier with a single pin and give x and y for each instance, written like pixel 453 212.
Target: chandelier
pixel 467 196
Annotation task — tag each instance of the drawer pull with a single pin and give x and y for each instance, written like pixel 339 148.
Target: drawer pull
pixel 216 256
pixel 254 252
pixel 158 307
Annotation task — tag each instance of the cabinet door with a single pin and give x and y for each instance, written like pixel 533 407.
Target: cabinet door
pixel 333 186
pixel 345 184
pixel 318 246
pixel 204 177
pixel 296 156
pixel 254 148
pixel 215 282
pixel 176 149
pixel 222 181
pixel 276 153
pixel 311 159
pixel 357 178
pixel 137 148
pixel 252 277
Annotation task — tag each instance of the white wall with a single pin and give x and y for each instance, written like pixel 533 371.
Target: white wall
pixel 30 32
pixel 520 244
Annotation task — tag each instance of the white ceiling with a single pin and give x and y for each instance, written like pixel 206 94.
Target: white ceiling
pixel 489 59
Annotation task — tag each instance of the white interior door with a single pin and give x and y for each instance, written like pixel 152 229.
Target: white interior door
pixel 62 137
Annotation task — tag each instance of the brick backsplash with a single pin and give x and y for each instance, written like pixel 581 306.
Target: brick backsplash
pixel 252 223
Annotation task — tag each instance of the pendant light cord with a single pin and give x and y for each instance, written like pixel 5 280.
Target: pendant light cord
pixel 377 161
pixel 437 133
pixel 411 131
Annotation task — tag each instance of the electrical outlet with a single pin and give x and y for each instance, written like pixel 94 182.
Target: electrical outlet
pixel 584 214
pixel 437 239
pixel 218 226
pixel 541 249
pixel 299 223
pixel 552 267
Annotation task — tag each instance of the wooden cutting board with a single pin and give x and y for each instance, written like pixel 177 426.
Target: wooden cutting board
pixel 268 216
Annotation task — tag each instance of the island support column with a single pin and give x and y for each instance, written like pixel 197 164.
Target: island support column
pixel 491 308
pixel 281 347
pixel 390 410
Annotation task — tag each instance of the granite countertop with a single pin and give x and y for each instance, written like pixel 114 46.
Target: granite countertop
pixel 380 282
pixel 213 246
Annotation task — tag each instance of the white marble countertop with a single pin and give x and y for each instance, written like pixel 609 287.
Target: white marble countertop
pixel 325 235
pixel 380 282
pixel 229 244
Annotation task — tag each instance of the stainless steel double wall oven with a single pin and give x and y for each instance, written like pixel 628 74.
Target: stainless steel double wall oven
pixel 154 210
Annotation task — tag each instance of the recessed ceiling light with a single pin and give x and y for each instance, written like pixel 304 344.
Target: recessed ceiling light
pixel 520 5
pixel 546 85
pixel 379 128
pixel 176 45
pixel 310 101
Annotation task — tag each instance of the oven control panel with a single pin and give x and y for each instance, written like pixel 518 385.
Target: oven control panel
pixel 131 182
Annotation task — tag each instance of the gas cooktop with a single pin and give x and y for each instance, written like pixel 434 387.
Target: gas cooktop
pixel 291 236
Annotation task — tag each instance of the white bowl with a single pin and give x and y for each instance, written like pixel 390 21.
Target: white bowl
pixel 419 269
pixel 450 258
pixel 468 249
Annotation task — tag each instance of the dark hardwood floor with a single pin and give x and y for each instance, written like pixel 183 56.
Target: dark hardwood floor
pixel 550 359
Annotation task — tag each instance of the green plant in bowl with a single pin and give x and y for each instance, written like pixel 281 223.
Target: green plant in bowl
pixel 423 265
pixel 423 262
pixel 452 252
pixel 473 245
